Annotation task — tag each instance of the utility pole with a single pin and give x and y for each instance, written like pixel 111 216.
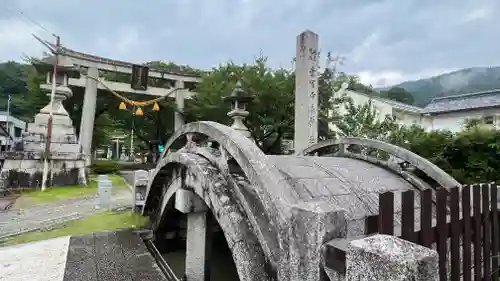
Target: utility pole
pixel 49 123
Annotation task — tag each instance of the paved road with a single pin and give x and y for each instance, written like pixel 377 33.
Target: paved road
pixel 16 221
pixel 6 202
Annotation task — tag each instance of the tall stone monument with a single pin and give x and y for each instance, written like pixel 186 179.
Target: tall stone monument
pixel 24 167
pixel 306 90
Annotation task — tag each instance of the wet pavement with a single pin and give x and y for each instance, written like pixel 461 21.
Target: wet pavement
pixel 38 261
pixel 102 256
pixel 6 202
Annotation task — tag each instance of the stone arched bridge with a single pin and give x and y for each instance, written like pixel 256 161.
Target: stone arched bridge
pixel 276 212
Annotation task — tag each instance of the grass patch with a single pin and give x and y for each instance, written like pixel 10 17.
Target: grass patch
pixel 118 181
pixel 95 223
pixel 71 192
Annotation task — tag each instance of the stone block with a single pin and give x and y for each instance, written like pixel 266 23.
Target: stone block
pixel 141 182
pixel 388 258
pixel 188 202
pixel 312 223
pixel 104 190
pixel 57 120
pixel 141 178
pixel 141 174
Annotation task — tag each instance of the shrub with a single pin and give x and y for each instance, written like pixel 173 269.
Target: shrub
pixel 101 167
pixel 137 166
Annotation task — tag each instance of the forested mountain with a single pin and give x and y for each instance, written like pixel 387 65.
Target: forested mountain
pixel 458 82
pixel 14 82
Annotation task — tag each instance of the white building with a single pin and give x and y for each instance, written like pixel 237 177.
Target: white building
pixel 15 129
pixel 446 113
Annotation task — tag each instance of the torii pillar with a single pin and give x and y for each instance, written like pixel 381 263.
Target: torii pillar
pixel 88 113
pixel 306 91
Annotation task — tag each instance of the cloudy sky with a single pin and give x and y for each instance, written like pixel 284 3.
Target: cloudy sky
pixel 384 42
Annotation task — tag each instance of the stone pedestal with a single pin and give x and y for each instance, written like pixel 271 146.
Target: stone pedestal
pixel 67 164
pixel 140 187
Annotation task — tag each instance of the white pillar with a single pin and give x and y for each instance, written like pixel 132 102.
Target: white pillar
pixel 179 102
pixel 306 91
pixel 117 148
pixel 88 112
pixel 197 267
pixel 12 131
pixel 198 247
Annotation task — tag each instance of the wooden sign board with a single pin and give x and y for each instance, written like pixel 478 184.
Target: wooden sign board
pixel 140 77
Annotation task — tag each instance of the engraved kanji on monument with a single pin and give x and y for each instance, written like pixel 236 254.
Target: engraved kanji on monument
pixel 306 90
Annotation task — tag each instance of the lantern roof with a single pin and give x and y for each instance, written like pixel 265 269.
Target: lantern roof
pixel 46 64
pixel 238 94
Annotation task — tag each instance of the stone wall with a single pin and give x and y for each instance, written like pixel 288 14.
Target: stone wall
pixel 27 173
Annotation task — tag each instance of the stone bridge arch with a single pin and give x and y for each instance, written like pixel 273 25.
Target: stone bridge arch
pixel 340 149
pixel 279 210
pixel 234 155
pixel 181 172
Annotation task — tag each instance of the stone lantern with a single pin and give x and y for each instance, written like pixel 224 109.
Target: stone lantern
pixel 62 91
pixel 239 100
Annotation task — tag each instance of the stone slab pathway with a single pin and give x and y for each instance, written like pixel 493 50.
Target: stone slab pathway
pixel 104 256
pixel 38 261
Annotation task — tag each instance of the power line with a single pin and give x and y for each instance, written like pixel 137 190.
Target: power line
pixel 16 12
pixel 29 18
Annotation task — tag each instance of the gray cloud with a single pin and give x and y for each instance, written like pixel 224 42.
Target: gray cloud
pixel 385 42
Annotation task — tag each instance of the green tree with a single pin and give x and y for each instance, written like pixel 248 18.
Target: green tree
pixel 272 111
pixel 474 155
pixel 36 98
pixel 363 121
pixel 399 94
pixel 328 103
pixel 173 67
pixel 16 80
pixel 330 81
pixel 149 128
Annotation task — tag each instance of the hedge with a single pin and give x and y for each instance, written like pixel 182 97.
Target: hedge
pixel 102 167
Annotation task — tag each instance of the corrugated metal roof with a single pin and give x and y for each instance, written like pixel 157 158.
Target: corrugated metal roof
pixel 464 102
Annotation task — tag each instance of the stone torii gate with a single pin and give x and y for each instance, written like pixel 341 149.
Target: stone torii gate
pixel 92 66
pixel 276 212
